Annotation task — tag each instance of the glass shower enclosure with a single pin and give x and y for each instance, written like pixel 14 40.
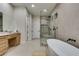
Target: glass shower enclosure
pixel 44 30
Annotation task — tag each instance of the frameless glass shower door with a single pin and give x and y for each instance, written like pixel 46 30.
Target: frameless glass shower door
pixel 44 30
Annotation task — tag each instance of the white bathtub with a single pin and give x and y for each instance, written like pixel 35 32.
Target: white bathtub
pixel 60 48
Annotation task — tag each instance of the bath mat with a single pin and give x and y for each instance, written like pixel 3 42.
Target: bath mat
pixel 39 53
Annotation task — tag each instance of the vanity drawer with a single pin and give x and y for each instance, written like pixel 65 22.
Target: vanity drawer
pixel 2 37
pixel 3 51
pixel 3 46
pixel 3 41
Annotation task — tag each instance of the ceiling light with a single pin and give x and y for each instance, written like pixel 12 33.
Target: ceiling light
pixel 45 10
pixel 33 5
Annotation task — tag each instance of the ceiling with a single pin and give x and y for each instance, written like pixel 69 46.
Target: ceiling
pixel 38 7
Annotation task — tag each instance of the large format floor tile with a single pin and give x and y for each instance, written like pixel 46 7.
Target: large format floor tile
pixel 25 49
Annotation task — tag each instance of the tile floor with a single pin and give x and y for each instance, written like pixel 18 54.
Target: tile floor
pixel 25 49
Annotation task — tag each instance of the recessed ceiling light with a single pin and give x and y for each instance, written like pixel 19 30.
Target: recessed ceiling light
pixel 33 5
pixel 45 10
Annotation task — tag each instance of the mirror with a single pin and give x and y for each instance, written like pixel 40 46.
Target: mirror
pixel 1 22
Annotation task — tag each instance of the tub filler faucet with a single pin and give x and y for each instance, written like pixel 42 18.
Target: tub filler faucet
pixel 72 40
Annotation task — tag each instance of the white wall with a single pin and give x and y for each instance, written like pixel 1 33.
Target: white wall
pixel 7 11
pixel 20 17
pixel 29 27
pixel 36 27
pixel 68 22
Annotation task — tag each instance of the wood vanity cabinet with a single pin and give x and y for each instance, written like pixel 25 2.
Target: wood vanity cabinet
pixel 3 45
pixel 7 41
pixel 14 39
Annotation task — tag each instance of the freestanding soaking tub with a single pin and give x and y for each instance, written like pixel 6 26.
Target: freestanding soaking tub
pixel 59 48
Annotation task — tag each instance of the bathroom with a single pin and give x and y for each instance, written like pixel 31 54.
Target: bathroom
pixel 36 26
